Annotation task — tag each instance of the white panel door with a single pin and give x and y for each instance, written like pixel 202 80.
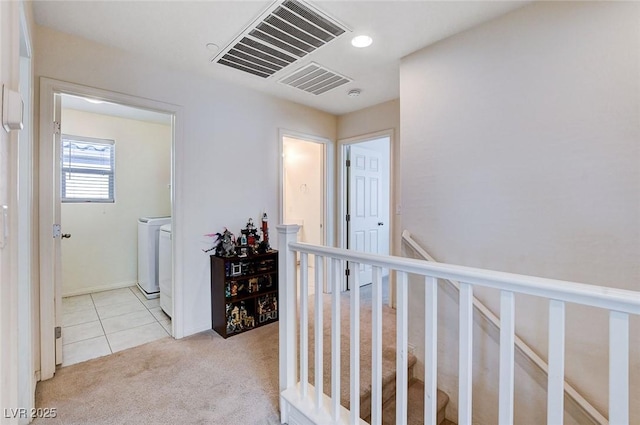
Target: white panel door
pixel 364 205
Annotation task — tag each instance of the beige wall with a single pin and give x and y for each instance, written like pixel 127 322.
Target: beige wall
pixel 226 152
pixel 102 252
pixel 520 153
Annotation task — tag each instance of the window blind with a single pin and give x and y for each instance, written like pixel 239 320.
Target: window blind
pixel 88 169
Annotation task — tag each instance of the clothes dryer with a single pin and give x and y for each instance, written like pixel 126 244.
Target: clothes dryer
pixel 165 270
pixel 148 245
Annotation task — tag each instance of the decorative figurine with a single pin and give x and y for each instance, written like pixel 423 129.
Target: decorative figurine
pixel 254 286
pixel 267 308
pixel 224 245
pixel 249 238
pixel 263 247
pixel 265 230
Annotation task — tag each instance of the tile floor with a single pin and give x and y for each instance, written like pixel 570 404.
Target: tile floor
pixel 99 324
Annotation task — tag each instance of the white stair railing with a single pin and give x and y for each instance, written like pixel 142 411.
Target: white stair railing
pixel 554 371
pixel 302 403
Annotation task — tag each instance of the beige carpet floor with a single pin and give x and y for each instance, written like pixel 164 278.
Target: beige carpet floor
pixel 201 379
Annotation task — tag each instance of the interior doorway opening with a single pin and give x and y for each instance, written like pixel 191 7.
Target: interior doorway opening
pixel 304 192
pixel 52 93
pixel 366 201
pixel 115 171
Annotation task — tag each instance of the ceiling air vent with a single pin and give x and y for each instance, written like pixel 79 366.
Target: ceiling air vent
pixel 315 79
pixel 286 32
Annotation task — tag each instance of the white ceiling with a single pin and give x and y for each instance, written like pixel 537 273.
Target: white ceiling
pixel 177 32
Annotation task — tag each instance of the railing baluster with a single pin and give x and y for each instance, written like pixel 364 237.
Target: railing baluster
pixel 430 350
pixel 466 354
pixel 287 301
pixel 402 321
pixel 618 368
pixel 319 332
pixel 355 347
pixel 335 339
pixel 555 383
pixel 304 325
pixel 507 346
pixel 376 348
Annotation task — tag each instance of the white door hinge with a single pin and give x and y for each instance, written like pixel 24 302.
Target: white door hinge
pixel 56 127
pixel 56 231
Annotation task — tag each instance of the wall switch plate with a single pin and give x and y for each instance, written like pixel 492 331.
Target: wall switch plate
pixel 12 109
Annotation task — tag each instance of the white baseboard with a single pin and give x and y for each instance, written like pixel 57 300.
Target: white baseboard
pixel 99 288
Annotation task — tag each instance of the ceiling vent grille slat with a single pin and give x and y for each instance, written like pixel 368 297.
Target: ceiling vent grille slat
pixel 290 29
pixel 304 82
pixel 268 50
pixel 306 26
pixel 315 79
pixel 299 74
pixel 310 15
pixel 248 64
pixel 286 32
pixel 242 68
pixel 258 33
pixel 285 38
pixel 260 62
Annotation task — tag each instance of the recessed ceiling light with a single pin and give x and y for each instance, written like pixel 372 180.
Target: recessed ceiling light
pixel 354 92
pixel 361 41
pixel 213 47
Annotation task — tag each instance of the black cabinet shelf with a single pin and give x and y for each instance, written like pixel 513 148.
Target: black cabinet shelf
pixel 253 281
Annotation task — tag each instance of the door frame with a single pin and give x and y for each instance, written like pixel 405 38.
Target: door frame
pixel 343 191
pixel 329 199
pixel 48 89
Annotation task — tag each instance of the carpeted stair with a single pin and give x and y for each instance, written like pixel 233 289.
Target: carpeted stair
pixel 416 388
pixel 415 409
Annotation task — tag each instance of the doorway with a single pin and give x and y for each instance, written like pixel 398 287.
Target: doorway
pixel 367 201
pixel 115 169
pixel 305 202
pixel 52 93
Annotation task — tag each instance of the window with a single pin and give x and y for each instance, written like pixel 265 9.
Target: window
pixel 87 170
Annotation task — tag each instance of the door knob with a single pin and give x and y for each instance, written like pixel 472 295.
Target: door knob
pixel 65 235
pixel 380 223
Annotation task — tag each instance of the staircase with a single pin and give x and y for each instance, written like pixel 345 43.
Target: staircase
pixel 307 403
pixel 416 387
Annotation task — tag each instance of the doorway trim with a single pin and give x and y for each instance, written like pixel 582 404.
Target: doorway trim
pixel 329 166
pixel 48 89
pixel 342 192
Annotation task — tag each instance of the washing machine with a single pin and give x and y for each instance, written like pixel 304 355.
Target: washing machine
pixel 148 246
pixel 165 270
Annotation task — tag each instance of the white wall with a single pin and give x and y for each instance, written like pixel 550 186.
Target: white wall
pixel 16 350
pixel 520 153
pixel 227 153
pixel 304 188
pixel 102 252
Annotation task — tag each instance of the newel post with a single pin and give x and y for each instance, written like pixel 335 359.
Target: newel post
pixel 287 233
